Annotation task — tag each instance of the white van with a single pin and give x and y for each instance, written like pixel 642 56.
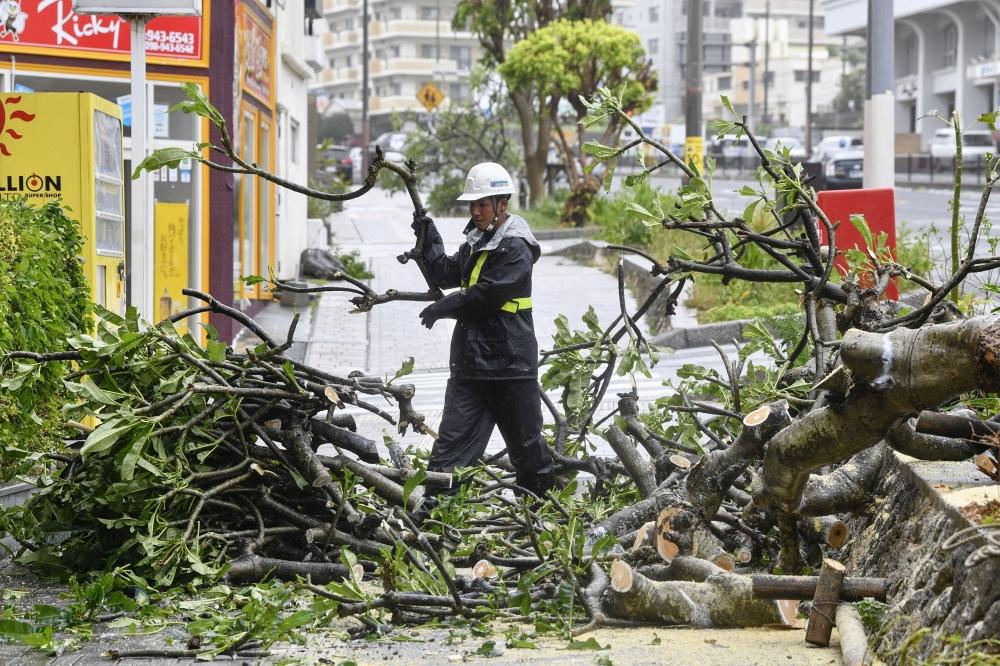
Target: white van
pixel 976 144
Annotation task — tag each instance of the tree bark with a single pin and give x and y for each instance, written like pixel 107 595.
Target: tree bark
pixel 766 586
pixel 723 600
pixel 715 472
pixel 895 375
pixel 639 469
pixel 853 641
pixel 905 438
pixel 821 617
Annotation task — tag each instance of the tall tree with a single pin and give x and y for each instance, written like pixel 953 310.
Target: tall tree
pixel 572 61
pixel 499 23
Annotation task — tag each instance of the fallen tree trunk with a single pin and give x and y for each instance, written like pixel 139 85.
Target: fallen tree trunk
pixel 723 600
pixel 853 641
pixel 894 375
pixel 767 586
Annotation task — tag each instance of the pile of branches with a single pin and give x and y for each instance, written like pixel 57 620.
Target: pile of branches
pixel 207 463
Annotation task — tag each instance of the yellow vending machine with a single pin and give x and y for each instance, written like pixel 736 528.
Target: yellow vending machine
pixel 68 146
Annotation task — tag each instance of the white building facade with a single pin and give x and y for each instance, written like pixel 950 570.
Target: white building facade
pixel 775 35
pixel 947 57
pixel 411 43
pixel 662 27
pixel 296 65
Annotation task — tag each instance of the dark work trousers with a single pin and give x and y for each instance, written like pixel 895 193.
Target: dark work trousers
pixel 471 409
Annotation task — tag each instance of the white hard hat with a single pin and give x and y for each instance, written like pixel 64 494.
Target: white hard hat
pixel 486 180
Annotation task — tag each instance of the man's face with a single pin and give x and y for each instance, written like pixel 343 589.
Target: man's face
pixel 483 212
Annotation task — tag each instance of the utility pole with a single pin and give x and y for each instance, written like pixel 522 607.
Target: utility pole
pixel 752 101
pixel 365 131
pixel 767 57
pixel 880 116
pixel 694 144
pixel 809 81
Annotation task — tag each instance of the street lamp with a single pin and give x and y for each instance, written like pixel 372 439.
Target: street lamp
pixel 138 13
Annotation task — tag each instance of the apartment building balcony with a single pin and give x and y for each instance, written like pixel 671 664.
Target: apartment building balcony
pixel 392 103
pixel 416 28
pixel 340 75
pixel 344 38
pixel 334 6
pixel 944 80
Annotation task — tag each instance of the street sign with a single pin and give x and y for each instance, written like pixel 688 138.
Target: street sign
pixel 430 96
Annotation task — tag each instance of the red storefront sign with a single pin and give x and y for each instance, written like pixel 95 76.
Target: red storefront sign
pixel 51 27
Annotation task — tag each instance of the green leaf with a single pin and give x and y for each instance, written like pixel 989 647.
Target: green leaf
pixel 404 369
pixel 198 104
pixel 599 150
pixel 589 644
pixel 634 179
pixel 105 435
pixel 251 280
pixel 861 225
pixel 412 483
pixel 988 119
pixel 165 157
pixel 729 106
pixel 489 649
pixel 640 210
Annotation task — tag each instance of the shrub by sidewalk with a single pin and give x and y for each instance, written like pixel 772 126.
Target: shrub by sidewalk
pixel 44 299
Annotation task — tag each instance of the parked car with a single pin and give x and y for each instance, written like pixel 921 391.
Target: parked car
pixel 741 148
pixel 975 145
pixel 392 145
pixel 796 151
pixel 843 169
pixel 337 160
pixel 833 144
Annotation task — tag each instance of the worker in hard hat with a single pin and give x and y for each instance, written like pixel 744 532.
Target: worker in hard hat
pixel 494 353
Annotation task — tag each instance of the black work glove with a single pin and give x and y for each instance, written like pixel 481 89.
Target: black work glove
pixel 430 314
pixel 420 220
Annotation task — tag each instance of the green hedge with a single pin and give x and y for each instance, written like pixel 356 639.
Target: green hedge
pixel 44 299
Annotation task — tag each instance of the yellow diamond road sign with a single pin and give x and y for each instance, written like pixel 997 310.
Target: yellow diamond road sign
pixel 430 96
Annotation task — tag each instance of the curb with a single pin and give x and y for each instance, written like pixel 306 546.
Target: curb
pixel 15 494
pixel 573 233
pixel 721 332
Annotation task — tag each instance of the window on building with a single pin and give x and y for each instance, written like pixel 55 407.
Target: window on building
pixel 653 45
pixel 800 76
pixel 908 61
pixel 347 61
pixel 293 141
pixel 458 92
pixel 654 14
pixel 428 51
pixel 725 82
pixel 989 38
pixel 349 23
pixel 396 89
pixel 949 54
pixel 394 51
pixel 333 26
pixel 395 13
pixel 462 55
pixel 333 63
pixel 429 13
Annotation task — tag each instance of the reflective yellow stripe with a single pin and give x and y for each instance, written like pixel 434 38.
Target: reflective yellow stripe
pixel 513 305
pixel 516 304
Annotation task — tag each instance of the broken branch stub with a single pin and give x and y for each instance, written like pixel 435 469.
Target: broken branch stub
pixel 825 601
pixel 710 477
